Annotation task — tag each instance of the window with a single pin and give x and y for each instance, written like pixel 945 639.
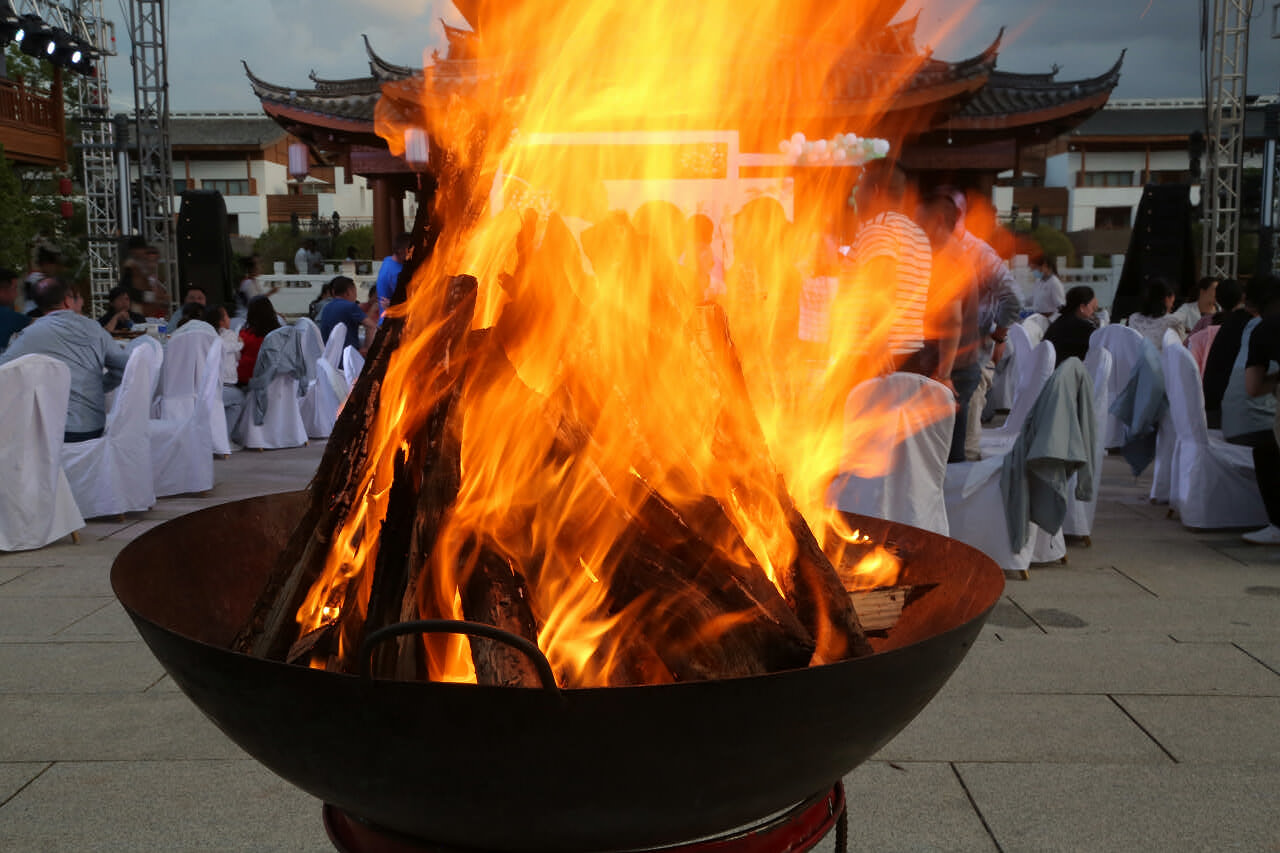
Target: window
pixel 1107 179
pixel 1112 217
pixel 179 186
pixel 227 187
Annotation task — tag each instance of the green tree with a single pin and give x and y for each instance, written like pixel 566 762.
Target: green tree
pixel 15 219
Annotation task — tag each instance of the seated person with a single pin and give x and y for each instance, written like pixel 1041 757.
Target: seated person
pixel 317 304
pixel 1070 333
pixel 1202 303
pixel 260 320
pixel 1155 316
pixel 119 317
pixel 11 320
pixel 63 332
pixel 1231 297
pixel 1261 291
pixel 343 309
pixel 1260 380
pixel 192 318
pixel 232 396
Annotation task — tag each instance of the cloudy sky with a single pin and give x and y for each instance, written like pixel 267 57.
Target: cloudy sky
pixel 283 40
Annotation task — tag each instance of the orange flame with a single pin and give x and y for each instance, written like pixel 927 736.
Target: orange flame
pixel 643 138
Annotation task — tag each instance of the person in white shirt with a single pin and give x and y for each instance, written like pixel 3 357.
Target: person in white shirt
pixel 1049 295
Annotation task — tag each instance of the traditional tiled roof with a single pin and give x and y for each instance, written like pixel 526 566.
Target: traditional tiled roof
pixel 1156 119
pixel 1007 94
pixel 222 130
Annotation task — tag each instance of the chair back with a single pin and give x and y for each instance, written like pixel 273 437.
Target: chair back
pixel 1035 326
pixel 1186 395
pixel 897 434
pixel 311 340
pixel 1125 346
pixel 36 504
pixel 1020 345
pixel 352 365
pixel 333 346
pixel 127 420
pixel 210 400
pixel 181 373
pixel 1200 343
pixel 1099 363
pixel 1037 367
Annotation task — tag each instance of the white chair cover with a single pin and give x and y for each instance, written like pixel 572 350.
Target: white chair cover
pixel 312 343
pixel 1037 367
pixel 182 447
pixel 1000 395
pixel 1213 482
pixel 157 349
pixel 1125 345
pixel 352 364
pixel 333 346
pixel 112 475
pixel 319 408
pixel 1162 465
pixel 180 374
pixel 283 426
pixel 1080 514
pixel 36 503
pixel 1035 326
pixel 976 511
pixel 897 433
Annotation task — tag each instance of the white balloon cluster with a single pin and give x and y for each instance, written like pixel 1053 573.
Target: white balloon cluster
pixel 844 149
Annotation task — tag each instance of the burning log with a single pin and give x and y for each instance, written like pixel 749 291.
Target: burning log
pixel 495 594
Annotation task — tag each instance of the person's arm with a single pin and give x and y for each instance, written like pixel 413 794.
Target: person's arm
pixel 1257 382
pixel 113 322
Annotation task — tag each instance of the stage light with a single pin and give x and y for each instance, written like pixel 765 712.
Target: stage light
pixel 9 25
pixel 34 36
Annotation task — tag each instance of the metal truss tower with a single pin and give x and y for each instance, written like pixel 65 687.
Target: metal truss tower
pixel 97 161
pixel 155 153
pixel 1227 65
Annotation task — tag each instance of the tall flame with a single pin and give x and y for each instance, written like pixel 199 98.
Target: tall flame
pixel 615 389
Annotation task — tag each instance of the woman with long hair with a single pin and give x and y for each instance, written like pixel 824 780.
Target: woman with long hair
pixel 260 320
pixel 1156 315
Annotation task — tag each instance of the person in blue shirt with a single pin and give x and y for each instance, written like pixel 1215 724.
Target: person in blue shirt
pixel 389 272
pixel 343 309
pixel 11 321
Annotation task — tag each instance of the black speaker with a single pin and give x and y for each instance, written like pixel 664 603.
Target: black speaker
pixel 1160 246
pixel 204 247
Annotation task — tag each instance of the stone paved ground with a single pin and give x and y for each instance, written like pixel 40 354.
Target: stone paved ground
pixel 1127 701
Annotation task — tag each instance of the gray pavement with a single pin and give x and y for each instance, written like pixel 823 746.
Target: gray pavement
pixel 1126 701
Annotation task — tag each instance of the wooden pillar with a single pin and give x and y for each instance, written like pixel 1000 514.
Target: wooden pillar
pixel 382 233
pixel 395 209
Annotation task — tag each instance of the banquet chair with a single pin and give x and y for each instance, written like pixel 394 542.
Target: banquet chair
pixel 188 359
pixel 1213 482
pixel 1200 343
pixel 112 475
pixel 352 364
pixel 1162 465
pixel 333 346
pixel 282 425
pixel 320 402
pixel 897 434
pixel 182 445
pixel 1035 326
pixel 36 503
pixel 1125 345
pixel 1037 367
pixel 1080 514
pixel 1030 480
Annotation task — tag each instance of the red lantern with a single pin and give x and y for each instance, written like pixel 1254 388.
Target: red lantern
pixel 64 186
pixel 68 209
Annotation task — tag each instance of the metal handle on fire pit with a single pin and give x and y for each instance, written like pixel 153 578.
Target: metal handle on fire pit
pixel 454 626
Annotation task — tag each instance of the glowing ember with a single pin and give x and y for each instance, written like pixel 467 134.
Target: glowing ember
pixel 595 165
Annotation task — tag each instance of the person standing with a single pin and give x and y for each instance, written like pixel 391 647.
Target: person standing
pixel 892 264
pixel 63 332
pixel 389 272
pixel 1049 294
pixel 11 320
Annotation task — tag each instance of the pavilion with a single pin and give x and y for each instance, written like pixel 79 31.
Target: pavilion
pixel 962 122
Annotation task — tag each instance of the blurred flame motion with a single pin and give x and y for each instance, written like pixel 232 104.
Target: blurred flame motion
pixel 599 313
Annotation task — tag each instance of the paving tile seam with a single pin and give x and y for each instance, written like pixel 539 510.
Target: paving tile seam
pixel 29 782
pixel 1024 612
pixel 1251 656
pixel 973 804
pixel 1115 701
pixel 106 603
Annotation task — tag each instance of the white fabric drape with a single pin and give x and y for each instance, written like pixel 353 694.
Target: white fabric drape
pixel 112 475
pixel 36 503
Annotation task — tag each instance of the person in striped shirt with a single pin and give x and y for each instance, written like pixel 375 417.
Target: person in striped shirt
pixel 892 263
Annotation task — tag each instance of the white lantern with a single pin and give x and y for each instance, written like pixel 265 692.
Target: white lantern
pixel 299 159
pixel 417 150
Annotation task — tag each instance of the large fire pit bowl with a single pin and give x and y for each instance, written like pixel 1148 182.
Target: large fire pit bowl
pixel 510 769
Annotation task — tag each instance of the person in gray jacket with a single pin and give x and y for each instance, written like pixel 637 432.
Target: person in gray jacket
pixel 65 333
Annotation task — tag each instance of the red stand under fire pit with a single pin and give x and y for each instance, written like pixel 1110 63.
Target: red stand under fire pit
pixel 528 770
pixel 795 831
